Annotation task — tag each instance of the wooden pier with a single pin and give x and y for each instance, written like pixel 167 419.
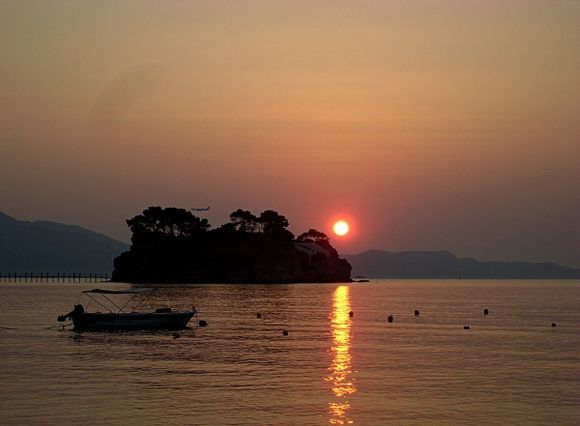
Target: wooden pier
pixel 53 277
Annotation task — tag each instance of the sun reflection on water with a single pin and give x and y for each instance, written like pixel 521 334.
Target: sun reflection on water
pixel 341 367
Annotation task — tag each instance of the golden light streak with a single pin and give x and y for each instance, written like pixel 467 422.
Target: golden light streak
pixel 341 367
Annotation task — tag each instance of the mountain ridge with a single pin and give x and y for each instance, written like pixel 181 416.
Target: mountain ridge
pixel 46 246
pixel 444 264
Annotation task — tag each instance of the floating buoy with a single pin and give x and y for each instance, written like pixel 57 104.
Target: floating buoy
pixel 258 315
pixel 351 314
pixel 554 324
pixel 466 327
pixel 390 318
pixel 485 311
pixel 176 335
pixel 416 312
pixel 202 323
pixel 284 332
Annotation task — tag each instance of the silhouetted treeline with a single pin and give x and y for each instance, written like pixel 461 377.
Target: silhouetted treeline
pixel 173 245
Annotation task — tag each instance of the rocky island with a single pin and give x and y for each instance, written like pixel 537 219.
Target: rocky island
pixel 172 245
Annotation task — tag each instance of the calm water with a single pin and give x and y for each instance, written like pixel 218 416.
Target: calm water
pixel 511 367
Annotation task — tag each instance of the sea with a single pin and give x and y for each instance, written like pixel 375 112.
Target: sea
pixel 341 361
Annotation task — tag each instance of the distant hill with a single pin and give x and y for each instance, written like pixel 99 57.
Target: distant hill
pixel 443 264
pixel 43 246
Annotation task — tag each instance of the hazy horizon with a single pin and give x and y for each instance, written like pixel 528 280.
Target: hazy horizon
pixel 428 126
pixel 333 238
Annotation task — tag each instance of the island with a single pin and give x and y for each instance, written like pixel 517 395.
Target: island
pixel 172 245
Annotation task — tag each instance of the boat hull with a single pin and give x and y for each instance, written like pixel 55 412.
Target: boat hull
pixel 132 321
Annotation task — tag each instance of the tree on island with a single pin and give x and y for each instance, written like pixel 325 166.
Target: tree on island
pixel 272 222
pixel 244 220
pixel 157 222
pixel 268 222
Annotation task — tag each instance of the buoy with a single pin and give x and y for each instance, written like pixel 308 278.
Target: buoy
pixel 553 324
pixel 284 332
pixel 485 311
pixel 466 327
pixel 258 315
pixel 390 318
pixel 416 312
pixel 351 314
pixel 202 323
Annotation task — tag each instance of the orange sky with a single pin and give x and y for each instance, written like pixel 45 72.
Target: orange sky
pixel 432 125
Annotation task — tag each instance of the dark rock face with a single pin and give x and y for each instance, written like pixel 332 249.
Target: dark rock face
pixel 324 265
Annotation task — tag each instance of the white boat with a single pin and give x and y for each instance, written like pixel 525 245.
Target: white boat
pixel 120 319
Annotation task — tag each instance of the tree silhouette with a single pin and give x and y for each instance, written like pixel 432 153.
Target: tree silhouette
pixel 157 222
pixel 244 220
pixel 271 221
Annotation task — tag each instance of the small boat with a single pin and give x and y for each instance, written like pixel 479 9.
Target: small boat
pixel 160 319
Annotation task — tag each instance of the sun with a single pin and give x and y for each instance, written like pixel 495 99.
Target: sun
pixel 340 228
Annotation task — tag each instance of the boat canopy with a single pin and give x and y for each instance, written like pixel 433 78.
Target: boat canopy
pixel 137 290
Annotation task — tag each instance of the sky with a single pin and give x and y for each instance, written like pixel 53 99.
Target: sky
pixel 428 125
